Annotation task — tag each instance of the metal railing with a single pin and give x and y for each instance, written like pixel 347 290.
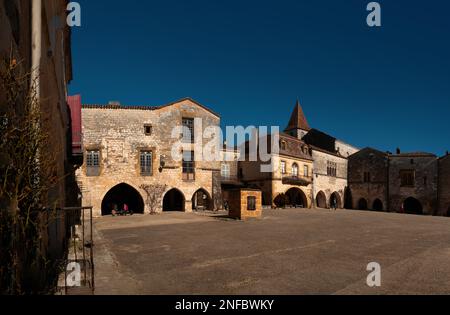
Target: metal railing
pixel 80 253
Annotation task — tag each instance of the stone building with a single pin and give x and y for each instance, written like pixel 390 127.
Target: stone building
pixel 367 180
pixel 413 183
pixel 128 146
pixel 444 185
pixel 290 181
pixel 329 158
pixel 401 182
pixel 35 36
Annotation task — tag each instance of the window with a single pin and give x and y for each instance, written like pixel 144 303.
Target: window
pixel 148 130
pixel 283 145
pixel 366 177
pixel 93 163
pixel 407 178
pixel 251 203
pixel 146 163
pixel 225 170
pixel 305 170
pixel 188 130
pixel 283 167
pixel 188 165
pixel 332 169
pixel 295 170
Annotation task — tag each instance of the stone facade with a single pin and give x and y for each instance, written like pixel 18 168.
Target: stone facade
pixel 118 133
pixel 327 185
pixel 423 188
pixel 367 180
pixel 393 182
pixel 241 205
pixel 291 174
pixel 444 186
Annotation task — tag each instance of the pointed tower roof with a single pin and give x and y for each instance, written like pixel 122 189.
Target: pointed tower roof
pixel 298 119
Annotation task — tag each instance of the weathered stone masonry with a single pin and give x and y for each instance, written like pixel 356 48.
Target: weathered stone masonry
pixel 118 132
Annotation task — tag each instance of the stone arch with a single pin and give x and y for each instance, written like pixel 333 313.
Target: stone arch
pixel 377 205
pixel 201 200
pixel 120 195
pixel 337 198
pixel 412 206
pixel 362 204
pixel 174 200
pixel 348 199
pixel 280 201
pixel 296 198
pixel 321 200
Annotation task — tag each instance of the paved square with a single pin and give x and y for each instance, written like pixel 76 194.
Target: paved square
pixel 287 252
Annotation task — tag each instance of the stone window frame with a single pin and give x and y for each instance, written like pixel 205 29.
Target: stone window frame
pixel 367 177
pixel 251 203
pixel 191 127
pixel 188 167
pixel 148 129
pixel 295 169
pixel 306 170
pixel 152 152
pixel 283 169
pixel 225 170
pixel 93 170
pixel 407 178
pixel 331 169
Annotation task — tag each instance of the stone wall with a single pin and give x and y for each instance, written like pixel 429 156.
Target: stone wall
pixel 373 162
pixel 238 202
pixel 444 186
pixel 118 132
pixel 425 185
pixel 322 183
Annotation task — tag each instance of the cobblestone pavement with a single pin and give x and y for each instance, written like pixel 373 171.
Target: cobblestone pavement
pixel 287 252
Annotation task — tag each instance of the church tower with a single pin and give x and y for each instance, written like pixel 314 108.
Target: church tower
pixel 298 125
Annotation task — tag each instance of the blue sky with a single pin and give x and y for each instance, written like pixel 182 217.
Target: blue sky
pixel 249 60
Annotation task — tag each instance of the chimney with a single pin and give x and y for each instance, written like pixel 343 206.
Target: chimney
pixel 399 151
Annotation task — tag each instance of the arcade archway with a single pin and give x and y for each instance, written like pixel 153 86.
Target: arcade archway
pixel 173 201
pixel 120 195
pixel 201 200
pixel 296 198
pixel 362 204
pixel 412 206
pixel 377 205
pixel 321 200
pixel 335 199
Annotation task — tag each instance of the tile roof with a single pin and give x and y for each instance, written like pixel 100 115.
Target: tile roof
pixel 298 119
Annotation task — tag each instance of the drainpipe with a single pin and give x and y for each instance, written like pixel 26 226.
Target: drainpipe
pixel 36 45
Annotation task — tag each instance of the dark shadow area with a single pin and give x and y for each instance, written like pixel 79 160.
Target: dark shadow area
pixel 201 201
pixel 348 199
pixel 413 206
pixel 377 205
pixel 296 198
pixel 120 195
pixel 321 200
pixel 173 201
pixel 362 204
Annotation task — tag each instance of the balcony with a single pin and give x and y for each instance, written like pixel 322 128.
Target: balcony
pixel 296 180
